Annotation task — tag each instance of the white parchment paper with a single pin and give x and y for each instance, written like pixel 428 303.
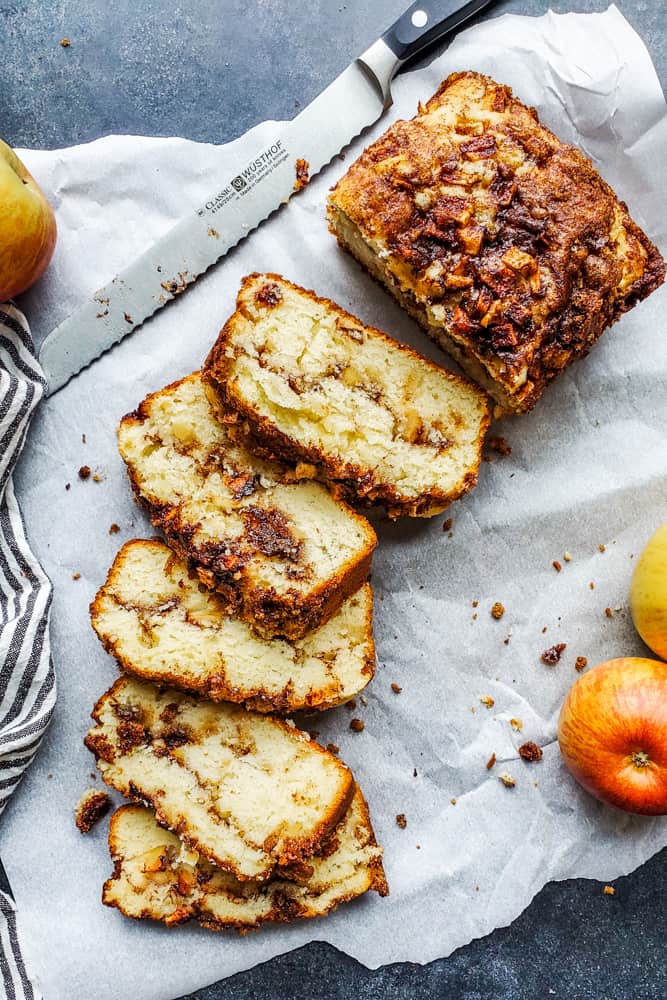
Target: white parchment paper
pixel 587 467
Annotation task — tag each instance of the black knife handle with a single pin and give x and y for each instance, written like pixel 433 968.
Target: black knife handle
pixel 425 23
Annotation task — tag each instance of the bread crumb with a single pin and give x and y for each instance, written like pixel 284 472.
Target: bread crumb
pixel 475 604
pixel 65 43
pixel 453 801
pixel 92 806
pixel 488 701
pixel 507 780
pixel 491 761
pixel 114 529
pixel 516 724
pixel 76 576
pixel 497 611
pixel 602 548
pixel 401 821
pixel 84 472
pixel 609 890
pixel 447 525
pixel 97 478
pixel 333 748
pixel 556 565
pixel 567 557
pixel 609 613
pixel 580 664
pixel 552 655
pixel 499 445
pixel 396 688
pixel 530 751
pixel 357 725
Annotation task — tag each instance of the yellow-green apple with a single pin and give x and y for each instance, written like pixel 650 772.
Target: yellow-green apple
pixel 613 733
pixel 648 593
pixel 27 226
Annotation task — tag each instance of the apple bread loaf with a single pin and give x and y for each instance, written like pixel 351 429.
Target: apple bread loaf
pixel 283 554
pixel 155 877
pixel 375 420
pixel 161 624
pixel 501 240
pixel 247 791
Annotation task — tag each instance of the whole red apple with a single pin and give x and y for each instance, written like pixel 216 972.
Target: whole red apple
pixel 27 226
pixel 613 733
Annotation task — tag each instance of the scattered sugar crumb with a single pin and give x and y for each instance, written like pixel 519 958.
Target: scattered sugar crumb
pixel 475 604
pixel 609 890
pixel 401 821
pixel 499 445
pixel 591 585
pixel 84 472
pixel 602 548
pixel 488 701
pixel 65 43
pixel 497 611
pixel 580 664
pixel 97 478
pixel 516 724
pixel 333 748
pixel 447 525
pixel 491 761
pixel 453 801
pixel 351 704
pixel 556 565
pixel 76 576
pixel 567 557
pixel 92 806
pixel 609 613
pixel 530 751
pixel 357 725
pixel 363 700
pixel 552 655
pixel 396 688
pixel 114 529
pixel 507 780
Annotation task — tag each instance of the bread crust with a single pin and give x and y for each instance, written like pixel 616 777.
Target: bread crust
pixel 146 733
pixel 348 481
pixel 291 613
pixel 215 682
pixel 285 901
pixel 503 242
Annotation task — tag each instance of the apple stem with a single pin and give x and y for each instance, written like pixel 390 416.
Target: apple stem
pixel 640 758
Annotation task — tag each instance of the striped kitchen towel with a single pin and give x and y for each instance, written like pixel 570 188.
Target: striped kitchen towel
pixel 27 680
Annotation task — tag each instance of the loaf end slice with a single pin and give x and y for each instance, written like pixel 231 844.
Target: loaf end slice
pixel 501 240
pixel 375 420
pixel 155 877
pixel 162 624
pixel 283 554
pixel 247 791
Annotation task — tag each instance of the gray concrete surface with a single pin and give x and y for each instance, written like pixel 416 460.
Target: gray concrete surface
pixel 209 70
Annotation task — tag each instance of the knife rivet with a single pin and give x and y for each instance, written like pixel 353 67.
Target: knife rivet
pixel 419 18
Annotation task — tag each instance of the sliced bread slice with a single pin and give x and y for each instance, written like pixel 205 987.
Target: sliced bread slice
pixel 161 624
pixel 155 877
pixel 283 554
pixel 248 791
pixel 377 421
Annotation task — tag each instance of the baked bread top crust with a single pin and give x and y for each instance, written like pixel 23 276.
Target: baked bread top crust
pixel 161 624
pixel 313 385
pixel 283 554
pixel 156 878
pixel 504 242
pixel 249 792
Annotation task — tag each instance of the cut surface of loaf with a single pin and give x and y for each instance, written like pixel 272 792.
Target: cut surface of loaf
pixel 248 791
pixel 501 240
pixel 377 421
pixel 283 554
pixel 162 624
pixel 155 877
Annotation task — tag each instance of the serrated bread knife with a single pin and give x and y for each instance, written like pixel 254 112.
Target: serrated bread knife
pixel 262 182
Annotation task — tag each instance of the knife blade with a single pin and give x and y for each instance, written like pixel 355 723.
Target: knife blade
pixel 261 183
